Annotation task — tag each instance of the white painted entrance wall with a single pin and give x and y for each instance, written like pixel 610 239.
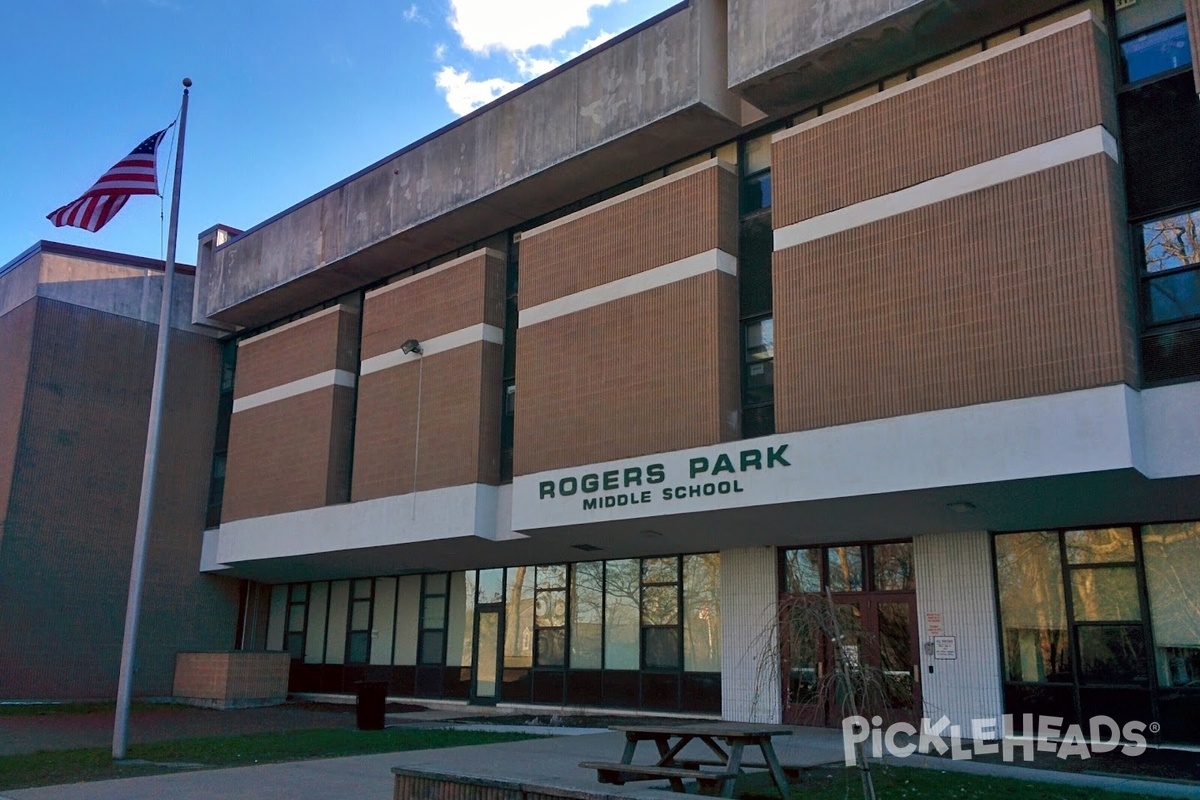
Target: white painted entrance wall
pixel 955 578
pixel 750 690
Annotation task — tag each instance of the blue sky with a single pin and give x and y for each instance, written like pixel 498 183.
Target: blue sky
pixel 288 97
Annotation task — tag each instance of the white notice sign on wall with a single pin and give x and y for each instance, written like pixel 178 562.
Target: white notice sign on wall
pixel 945 648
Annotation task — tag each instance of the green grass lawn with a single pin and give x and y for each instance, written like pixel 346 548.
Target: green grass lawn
pixel 95 763
pixel 910 783
pixel 45 709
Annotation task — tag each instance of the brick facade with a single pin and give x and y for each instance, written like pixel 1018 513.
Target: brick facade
pixel 1040 91
pixel 16 331
pixel 648 372
pixel 231 679
pixel 1014 290
pixel 293 452
pixel 459 388
pixel 72 509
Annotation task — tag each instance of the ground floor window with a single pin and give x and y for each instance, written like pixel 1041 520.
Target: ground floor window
pixel 634 633
pixel 1102 622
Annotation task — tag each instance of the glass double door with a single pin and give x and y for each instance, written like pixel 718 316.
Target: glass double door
pixel 851 650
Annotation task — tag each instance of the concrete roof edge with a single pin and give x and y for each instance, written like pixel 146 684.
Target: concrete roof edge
pixel 107 256
pixel 561 68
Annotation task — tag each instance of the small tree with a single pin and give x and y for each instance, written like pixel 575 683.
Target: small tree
pixel 813 632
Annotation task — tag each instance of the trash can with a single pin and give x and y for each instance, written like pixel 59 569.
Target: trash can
pixel 369 701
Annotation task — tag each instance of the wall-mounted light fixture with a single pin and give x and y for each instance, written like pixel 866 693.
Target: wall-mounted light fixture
pixel 411 346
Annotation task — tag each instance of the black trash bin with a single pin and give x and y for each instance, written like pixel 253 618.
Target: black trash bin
pixel 370 700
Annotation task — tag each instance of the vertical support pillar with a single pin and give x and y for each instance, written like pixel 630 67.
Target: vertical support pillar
pixel 750 665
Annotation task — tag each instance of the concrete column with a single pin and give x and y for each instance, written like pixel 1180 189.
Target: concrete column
pixel 750 689
pixel 955 579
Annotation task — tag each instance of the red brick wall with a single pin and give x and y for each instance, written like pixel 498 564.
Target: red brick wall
pixel 1041 91
pixel 677 218
pixel 647 373
pixel 1014 291
pixel 293 453
pixel 459 388
pixel 67 547
pixel 231 679
pixel 16 331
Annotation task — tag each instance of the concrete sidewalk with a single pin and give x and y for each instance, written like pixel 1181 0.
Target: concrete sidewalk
pixel 547 762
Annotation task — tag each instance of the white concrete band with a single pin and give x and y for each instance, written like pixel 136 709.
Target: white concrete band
pixel 437 344
pixel 699 264
pixel 429 515
pixel 333 377
pixel 1029 161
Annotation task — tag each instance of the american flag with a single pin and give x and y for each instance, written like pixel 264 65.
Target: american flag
pixel 136 173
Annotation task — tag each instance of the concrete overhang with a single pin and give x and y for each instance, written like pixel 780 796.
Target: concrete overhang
pixel 786 56
pixel 633 104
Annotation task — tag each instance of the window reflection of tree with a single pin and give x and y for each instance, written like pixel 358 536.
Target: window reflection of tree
pixel 1032 607
pixel 702 613
pixel 518 629
pixel 587 609
pixel 1172 559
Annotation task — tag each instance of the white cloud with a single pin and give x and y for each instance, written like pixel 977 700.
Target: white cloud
pixel 596 41
pixel 516 26
pixel 439 52
pixel 413 14
pixel 464 95
pixel 532 66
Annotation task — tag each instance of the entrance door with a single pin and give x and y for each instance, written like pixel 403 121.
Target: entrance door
pixel 485 669
pixel 871 629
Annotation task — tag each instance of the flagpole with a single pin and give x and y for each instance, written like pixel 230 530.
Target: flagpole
pixel 150 463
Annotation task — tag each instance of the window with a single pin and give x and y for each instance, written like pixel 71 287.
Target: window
pixel 1171 256
pixel 435 590
pixel 621 604
pixel 297 613
pixel 660 613
pixel 1156 51
pixel 1033 611
pixel 758 377
pixel 1172 559
pixel 550 616
pixel 756 174
pixel 702 613
pixel 881 567
pixel 587 614
pixel 518 618
pixel 358 642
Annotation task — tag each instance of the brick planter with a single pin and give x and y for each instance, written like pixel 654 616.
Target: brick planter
pixel 231 679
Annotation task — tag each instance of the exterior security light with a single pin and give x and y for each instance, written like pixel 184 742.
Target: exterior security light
pixel 411 346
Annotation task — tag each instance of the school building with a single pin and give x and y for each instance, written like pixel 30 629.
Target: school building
pixel 895 304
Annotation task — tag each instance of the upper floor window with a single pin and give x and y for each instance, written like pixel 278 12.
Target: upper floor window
pixel 756 174
pixel 1153 38
pixel 1171 255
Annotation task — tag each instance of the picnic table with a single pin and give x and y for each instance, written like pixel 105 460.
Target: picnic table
pixel 716 775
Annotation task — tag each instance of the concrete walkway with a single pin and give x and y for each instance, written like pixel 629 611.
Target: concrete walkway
pixel 548 762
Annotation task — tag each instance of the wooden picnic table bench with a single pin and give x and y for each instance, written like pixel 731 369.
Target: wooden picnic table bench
pixel 726 741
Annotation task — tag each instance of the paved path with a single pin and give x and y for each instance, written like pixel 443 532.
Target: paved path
pixel 551 762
